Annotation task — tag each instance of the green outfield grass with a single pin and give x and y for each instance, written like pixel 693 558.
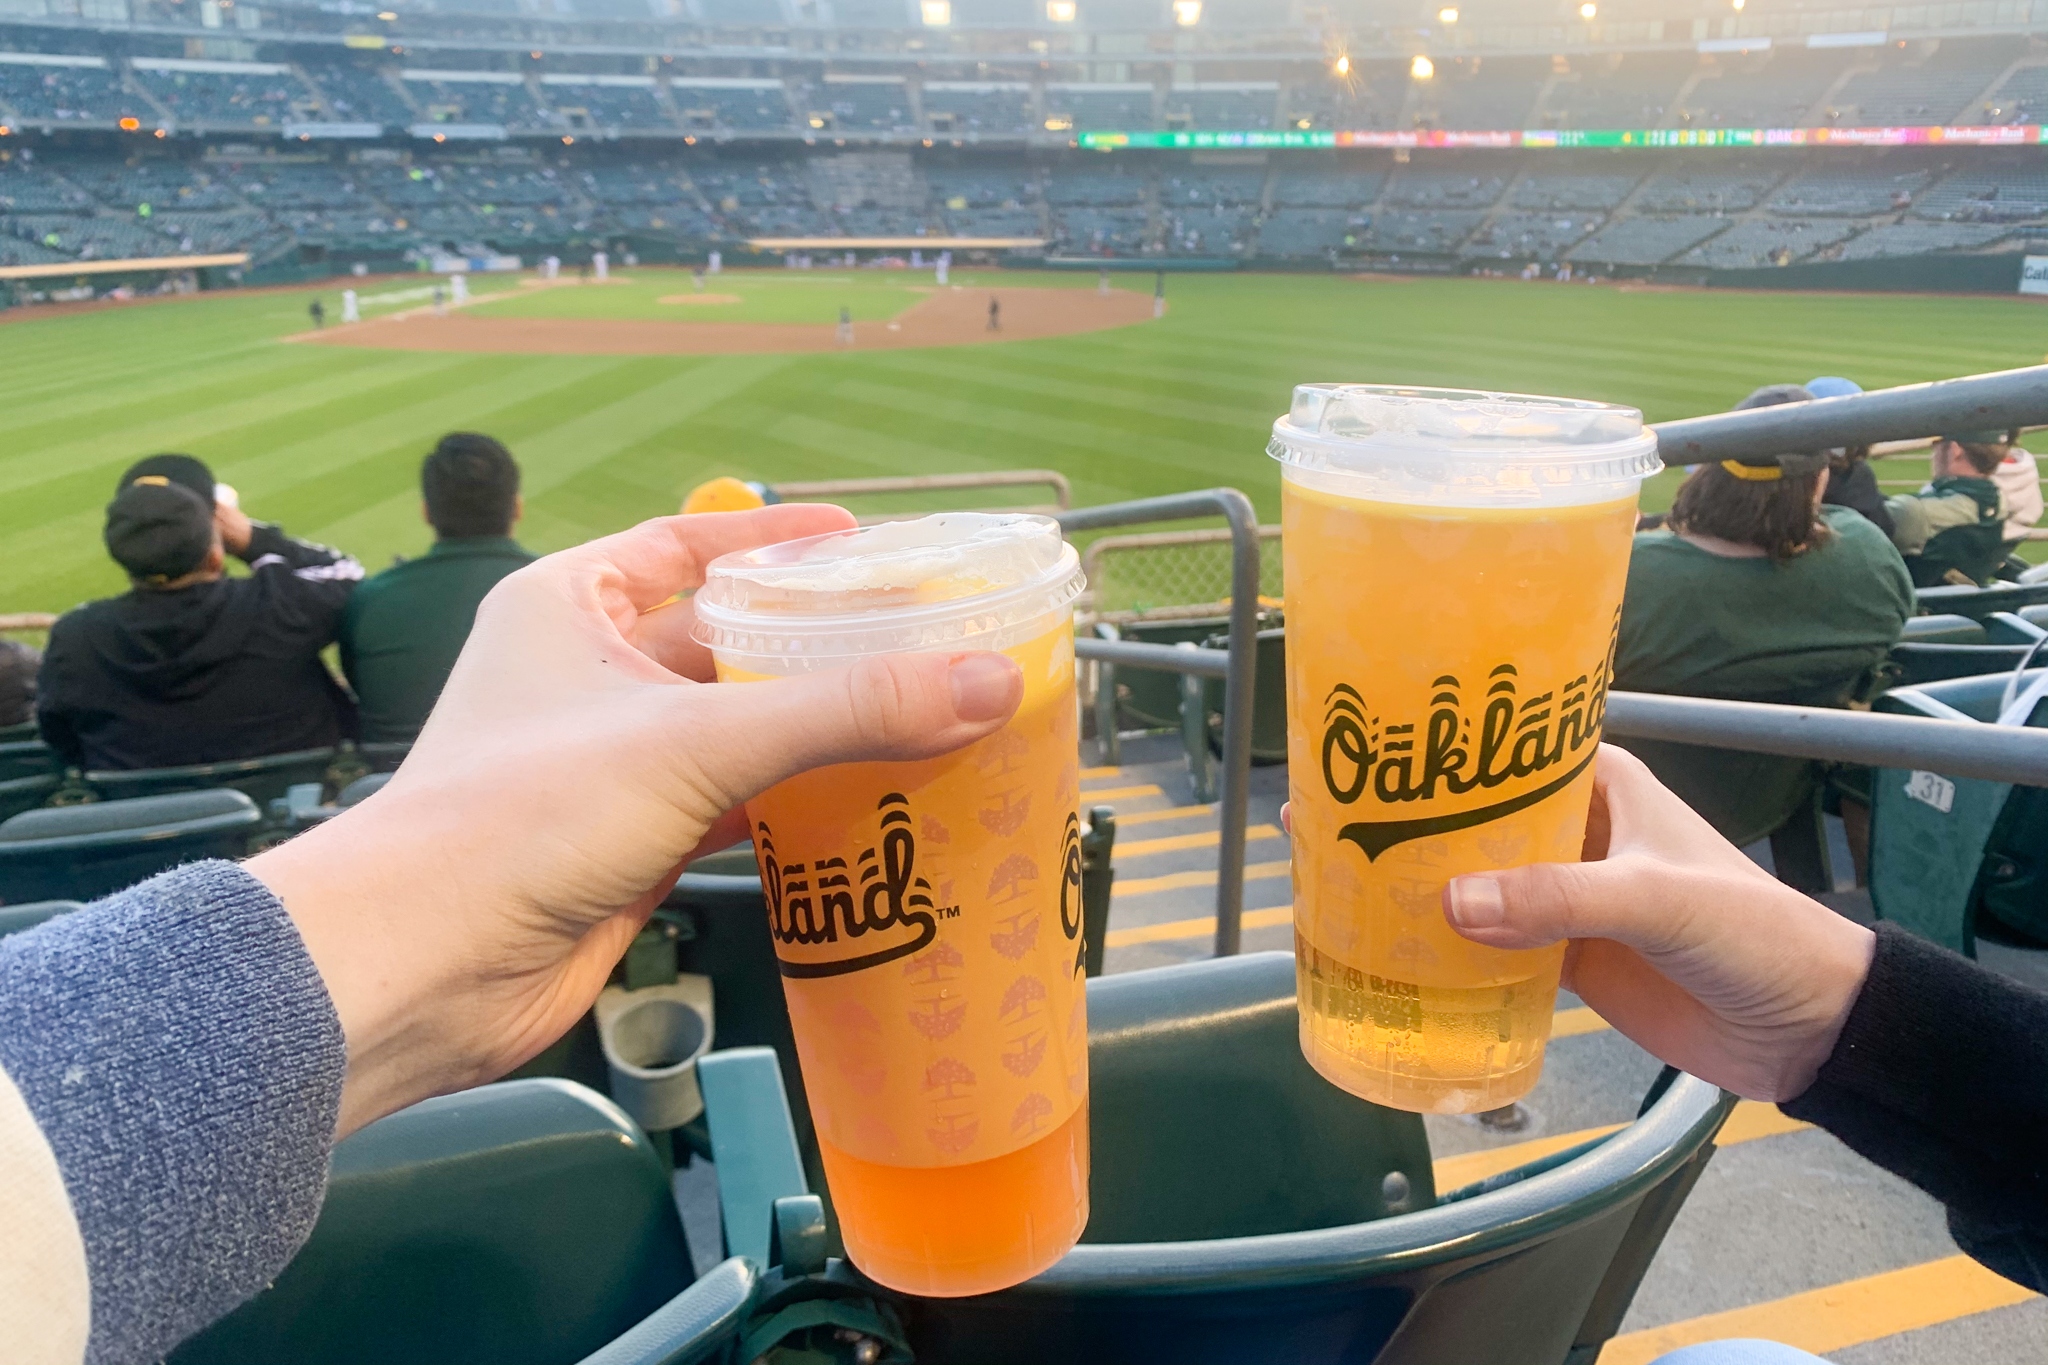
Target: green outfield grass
pixel 328 440
pixel 813 296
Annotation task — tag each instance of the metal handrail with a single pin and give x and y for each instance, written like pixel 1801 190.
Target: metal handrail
pixel 1996 401
pixel 1238 671
pixel 1954 748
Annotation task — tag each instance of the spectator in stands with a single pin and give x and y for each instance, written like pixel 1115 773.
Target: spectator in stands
pixel 2019 478
pixel 18 664
pixel 1754 590
pixel 1953 530
pixel 189 665
pixel 1851 480
pixel 403 628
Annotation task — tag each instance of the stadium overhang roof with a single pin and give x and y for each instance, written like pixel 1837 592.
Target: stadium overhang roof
pixel 66 269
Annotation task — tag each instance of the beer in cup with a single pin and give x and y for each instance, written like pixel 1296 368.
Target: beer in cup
pixel 927 916
pixel 1454 564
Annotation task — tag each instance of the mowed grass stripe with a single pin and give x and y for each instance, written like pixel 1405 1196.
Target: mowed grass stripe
pixel 1838 1316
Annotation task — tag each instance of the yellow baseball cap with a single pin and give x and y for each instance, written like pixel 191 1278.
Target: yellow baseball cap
pixel 724 494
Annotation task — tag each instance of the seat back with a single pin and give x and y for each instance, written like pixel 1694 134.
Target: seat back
pixel 1977 603
pixel 1934 839
pixel 1189 1063
pixel 523 1223
pixel 26 729
pixel 1945 629
pixel 26 793
pixel 263 779
pixel 1269 696
pixel 83 852
pixel 1149 698
pixel 27 758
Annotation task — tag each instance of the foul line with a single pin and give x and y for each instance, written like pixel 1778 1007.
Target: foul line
pixel 1837 1316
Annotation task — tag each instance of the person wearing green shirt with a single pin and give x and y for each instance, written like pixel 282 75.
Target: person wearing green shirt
pixel 403 628
pixel 1953 530
pixel 1755 591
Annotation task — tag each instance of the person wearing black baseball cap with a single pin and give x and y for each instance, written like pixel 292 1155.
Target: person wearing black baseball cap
pixel 189 665
pixel 1756 591
pixel 1953 530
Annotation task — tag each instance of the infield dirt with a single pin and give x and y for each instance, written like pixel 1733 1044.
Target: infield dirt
pixel 956 316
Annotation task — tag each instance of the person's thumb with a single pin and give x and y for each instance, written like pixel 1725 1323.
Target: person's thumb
pixel 890 706
pixel 1528 907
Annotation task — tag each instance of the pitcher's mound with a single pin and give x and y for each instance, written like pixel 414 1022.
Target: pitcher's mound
pixel 949 317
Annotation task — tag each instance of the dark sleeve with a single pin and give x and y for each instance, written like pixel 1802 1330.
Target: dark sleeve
pixel 181 1056
pixel 1858 491
pixel 53 720
pixel 1941 1076
pixel 307 586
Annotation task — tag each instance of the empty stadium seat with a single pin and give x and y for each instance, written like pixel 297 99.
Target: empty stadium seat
pixel 263 780
pixel 83 852
pixel 524 1223
pixel 27 758
pixel 1244 1209
pixel 1945 851
pixel 2003 641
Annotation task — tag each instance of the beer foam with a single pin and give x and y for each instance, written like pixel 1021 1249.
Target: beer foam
pixel 1461 447
pixel 935 581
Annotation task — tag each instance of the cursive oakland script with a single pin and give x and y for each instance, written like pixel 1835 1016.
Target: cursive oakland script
pixel 821 905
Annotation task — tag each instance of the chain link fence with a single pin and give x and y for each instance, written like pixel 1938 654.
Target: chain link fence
pixel 1166 574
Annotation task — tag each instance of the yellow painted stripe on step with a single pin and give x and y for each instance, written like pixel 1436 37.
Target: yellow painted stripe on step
pixel 1153 817
pixel 1750 1121
pixel 1176 843
pixel 1838 1316
pixel 1204 927
pixel 1111 771
pixel 1089 798
pixel 1181 881
pixel 1570 1023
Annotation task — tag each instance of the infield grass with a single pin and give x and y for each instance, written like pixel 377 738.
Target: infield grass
pixel 803 296
pixel 327 440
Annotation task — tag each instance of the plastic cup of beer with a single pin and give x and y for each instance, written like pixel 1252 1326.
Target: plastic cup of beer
pixel 927 915
pixel 1454 570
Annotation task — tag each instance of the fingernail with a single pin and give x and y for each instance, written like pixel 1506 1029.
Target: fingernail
pixel 1476 903
pixel 984 686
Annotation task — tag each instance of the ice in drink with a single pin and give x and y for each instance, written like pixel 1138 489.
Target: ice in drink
pixel 927 916
pixel 1454 570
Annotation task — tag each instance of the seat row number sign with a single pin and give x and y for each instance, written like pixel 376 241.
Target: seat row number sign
pixel 1932 789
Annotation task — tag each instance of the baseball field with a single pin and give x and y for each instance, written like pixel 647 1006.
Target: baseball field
pixel 618 398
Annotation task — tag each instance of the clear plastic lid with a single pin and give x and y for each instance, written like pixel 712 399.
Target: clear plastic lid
pixel 1461 447
pixel 975 579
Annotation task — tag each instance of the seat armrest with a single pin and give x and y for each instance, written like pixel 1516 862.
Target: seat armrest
pixel 696 1325
pixel 753 1144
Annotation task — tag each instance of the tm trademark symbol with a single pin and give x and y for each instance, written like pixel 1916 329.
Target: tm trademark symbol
pixel 949 912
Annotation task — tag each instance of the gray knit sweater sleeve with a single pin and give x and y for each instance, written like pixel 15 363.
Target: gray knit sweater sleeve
pixel 180 1053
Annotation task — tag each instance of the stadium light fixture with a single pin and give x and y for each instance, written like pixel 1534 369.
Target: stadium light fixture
pixel 1060 11
pixel 1187 13
pixel 1447 16
pixel 1342 66
pixel 131 124
pixel 937 13
pixel 1422 68
pixel 1739 5
pixel 388 16
pixel 1589 10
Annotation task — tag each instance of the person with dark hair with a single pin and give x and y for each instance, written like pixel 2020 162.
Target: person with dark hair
pixel 1953 530
pixel 404 627
pixel 1754 590
pixel 1851 481
pixel 189 665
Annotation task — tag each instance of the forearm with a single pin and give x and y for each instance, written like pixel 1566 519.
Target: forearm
pixel 269 544
pixel 176 1048
pixel 1941 1076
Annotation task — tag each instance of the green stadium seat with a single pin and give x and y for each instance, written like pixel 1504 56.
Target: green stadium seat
pixel 15 918
pixel 263 780
pixel 1945 629
pixel 1244 1209
pixel 1149 698
pixel 2002 644
pixel 84 852
pixel 1978 603
pixel 14 734
pixel 27 758
pixel 1945 851
pixel 523 1223
pixel 1269 697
